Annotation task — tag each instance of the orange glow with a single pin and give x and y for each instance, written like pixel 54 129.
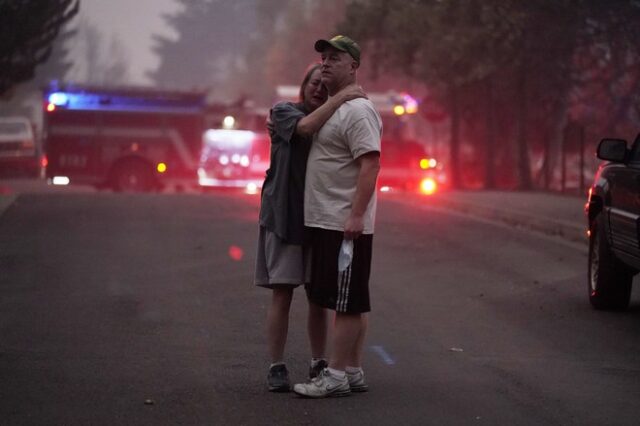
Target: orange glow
pixel 236 253
pixel 588 232
pixel 428 186
pixel 51 107
pixel 44 161
pixel 428 163
pixel 398 110
pixel 162 167
pixel 412 108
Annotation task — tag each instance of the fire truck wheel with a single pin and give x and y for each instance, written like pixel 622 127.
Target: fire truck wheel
pixel 133 176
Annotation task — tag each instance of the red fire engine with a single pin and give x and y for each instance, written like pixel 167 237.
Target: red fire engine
pixel 236 149
pixel 406 164
pixel 128 139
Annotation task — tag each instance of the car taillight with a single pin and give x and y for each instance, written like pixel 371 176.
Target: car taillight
pixel 428 186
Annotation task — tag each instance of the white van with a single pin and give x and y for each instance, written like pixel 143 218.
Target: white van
pixel 19 153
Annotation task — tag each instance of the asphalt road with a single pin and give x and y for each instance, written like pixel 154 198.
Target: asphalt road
pixel 139 310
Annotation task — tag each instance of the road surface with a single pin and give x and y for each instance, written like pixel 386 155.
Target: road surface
pixel 140 310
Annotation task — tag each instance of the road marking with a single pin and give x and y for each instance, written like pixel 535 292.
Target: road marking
pixel 386 358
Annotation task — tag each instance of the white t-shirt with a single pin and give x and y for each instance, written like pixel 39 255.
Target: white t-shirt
pixel 332 172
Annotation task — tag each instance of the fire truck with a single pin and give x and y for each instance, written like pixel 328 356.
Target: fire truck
pixel 235 148
pixel 405 162
pixel 126 139
pixel 235 151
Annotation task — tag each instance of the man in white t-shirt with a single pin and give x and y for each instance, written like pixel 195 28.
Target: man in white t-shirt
pixel 339 211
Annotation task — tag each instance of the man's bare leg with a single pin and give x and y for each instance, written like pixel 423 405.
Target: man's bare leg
pixel 349 330
pixel 317 330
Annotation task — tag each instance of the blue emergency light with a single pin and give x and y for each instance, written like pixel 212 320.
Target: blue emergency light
pixel 96 100
pixel 58 98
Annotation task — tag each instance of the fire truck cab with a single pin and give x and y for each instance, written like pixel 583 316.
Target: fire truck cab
pixel 127 139
pixel 235 149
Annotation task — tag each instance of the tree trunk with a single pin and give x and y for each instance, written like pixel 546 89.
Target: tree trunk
pixel 524 165
pixel 489 162
pixel 554 147
pixel 454 145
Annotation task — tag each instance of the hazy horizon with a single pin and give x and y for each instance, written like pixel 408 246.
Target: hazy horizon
pixel 134 24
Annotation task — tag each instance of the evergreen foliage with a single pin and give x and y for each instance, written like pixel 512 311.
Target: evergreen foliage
pixel 526 68
pixel 211 38
pixel 28 29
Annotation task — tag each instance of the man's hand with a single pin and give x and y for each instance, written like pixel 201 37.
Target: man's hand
pixel 353 227
pixel 350 92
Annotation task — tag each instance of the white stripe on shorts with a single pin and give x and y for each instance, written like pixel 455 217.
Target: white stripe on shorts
pixel 344 281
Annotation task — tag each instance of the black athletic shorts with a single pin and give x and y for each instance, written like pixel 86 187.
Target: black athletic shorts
pixel 347 291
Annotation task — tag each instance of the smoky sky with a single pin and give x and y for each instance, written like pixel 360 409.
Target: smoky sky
pixel 133 23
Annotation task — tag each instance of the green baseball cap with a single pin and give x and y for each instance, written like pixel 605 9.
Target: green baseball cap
pixel 342 43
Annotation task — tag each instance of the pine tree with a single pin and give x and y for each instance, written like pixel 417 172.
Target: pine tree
pixel 212 38
pixel 28 29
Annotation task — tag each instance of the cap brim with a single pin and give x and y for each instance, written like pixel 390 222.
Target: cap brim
pixel 322 45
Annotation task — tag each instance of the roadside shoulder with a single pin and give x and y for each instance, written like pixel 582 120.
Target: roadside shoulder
pixel 5 202
pixel 550 214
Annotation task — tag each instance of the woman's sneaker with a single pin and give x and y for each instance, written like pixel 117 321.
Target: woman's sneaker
pixel 356 382
pixel 278 378
pixel 325 385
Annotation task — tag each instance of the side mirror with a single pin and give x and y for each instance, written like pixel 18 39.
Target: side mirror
pixel 613 150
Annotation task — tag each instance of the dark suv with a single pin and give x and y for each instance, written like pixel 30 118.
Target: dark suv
pixel 613 212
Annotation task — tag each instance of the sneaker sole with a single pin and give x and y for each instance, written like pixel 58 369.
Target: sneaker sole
pixel 363 388
pixel 331 395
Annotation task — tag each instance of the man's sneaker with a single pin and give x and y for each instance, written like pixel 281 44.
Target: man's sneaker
pixel 356 382
pixel 278 378
pixel 315 371
pixel 323 386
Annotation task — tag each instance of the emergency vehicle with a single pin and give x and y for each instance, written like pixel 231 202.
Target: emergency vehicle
pixel 127 139
pixel 405 163
pixel 236 149
pixel 235 152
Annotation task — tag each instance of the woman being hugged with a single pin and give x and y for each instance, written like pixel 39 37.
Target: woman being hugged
pixel 282 259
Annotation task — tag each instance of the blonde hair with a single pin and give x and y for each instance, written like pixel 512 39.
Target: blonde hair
pixel 310 70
